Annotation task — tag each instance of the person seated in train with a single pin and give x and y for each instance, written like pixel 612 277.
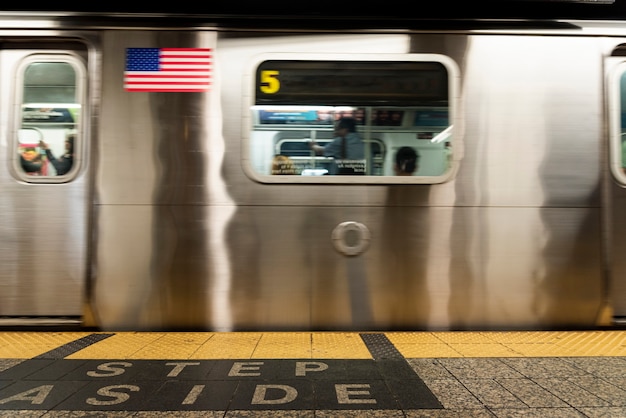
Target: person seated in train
pixel 346 146
pixel 31 161
pixel 406 161
pixel 64 163
pixel 283 165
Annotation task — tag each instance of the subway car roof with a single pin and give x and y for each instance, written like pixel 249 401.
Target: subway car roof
pixel 548 9
pixel 424 9
pixel 425 14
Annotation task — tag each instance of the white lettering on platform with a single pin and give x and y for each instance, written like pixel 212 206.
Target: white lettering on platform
pixel 35 396
pixel 260 394
pixel 344 393
pixel 109 391
pixel 109 369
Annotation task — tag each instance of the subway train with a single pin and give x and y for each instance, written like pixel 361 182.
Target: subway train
pixel 193 197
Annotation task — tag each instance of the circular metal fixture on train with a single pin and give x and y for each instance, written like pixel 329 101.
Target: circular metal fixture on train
pixel 351 238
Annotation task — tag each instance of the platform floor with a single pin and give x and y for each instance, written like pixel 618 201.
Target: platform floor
pixel 313 374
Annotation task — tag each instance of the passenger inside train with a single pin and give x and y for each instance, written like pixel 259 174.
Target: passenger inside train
pixel 346 149
pixel 62 164
pixel 406 161
pixel 49 158
pixel 283 165
pixel 31 161
pixel 307 137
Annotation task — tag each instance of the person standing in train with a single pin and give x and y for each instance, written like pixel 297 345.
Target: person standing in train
pixel 406 162
pixel 347 148
pixel 64 163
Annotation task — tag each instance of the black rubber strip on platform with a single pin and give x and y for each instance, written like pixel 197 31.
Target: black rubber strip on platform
pixel 73 346
pixel 380 347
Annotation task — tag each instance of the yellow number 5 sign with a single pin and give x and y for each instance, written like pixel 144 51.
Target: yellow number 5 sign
pixel 270 83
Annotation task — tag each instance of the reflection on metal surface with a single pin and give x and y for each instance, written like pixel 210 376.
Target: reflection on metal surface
pixel 220 212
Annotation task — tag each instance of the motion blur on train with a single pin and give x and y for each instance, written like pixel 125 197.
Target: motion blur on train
pixel 177 174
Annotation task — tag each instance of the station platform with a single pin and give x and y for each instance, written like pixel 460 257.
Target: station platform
pixel 313 374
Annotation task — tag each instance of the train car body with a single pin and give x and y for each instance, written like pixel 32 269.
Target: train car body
pixel 173 216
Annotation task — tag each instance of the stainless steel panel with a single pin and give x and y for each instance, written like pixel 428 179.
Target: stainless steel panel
pixel 186 240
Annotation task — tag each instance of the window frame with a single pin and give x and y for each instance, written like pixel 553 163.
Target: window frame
pixel 79 67
pixel 248 121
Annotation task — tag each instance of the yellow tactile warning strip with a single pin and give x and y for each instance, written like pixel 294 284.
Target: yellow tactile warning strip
pixel 335 345
pixel 316 345
pixel 510 344
pixel 246 345
pixel 32 344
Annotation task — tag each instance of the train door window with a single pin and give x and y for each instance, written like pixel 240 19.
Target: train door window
pixel 352 118
pixel 617 96
pixel 49 102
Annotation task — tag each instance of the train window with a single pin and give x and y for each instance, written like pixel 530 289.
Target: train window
pixel 618 122
pixel 352 118
pixel 49 102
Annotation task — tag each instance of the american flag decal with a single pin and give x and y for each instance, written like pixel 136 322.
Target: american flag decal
pixel 168 69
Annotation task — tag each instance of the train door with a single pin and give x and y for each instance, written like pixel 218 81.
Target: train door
pixel 43 187
pixel 616 208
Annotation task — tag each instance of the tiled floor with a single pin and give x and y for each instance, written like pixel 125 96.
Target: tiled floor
pixel 314 374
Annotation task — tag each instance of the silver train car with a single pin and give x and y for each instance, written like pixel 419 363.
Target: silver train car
pixel 195 201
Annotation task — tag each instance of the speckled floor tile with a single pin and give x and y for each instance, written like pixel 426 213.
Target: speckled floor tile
pixel 448 413
pixel 358 414
pixel 605 366
pixel 571 393
pixel 179 414
pixel 610 412
pixel 453 395
pixel 477 368
pixel 539 413
pixel 270 414
pixel 531 393
pixel 492 394
pixel 620 382
pixel 603 390
pixel 548 367
pixel 89 414
pixel 429 369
